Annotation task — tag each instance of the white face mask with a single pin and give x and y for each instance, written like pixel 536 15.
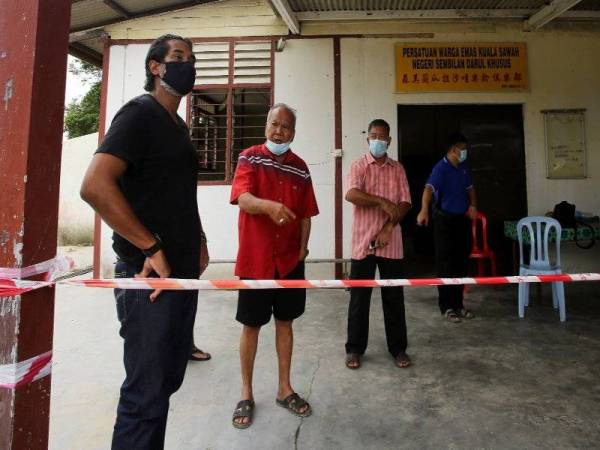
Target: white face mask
pixel 277 149
pixel 378 148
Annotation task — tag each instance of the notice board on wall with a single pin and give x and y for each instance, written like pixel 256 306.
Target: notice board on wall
pixel 461 67
pixel 565 143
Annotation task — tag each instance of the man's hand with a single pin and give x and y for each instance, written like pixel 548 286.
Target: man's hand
pixel 472 212
pixel 423 217
pixel 204 256
pixel 156 263
pixel 303 254
pixel 391 209
pixel 279 213
pixel 383 237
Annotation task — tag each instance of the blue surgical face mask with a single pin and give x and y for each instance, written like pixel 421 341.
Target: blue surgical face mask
pixel 462 157
pixel 277 149
pixel 378 148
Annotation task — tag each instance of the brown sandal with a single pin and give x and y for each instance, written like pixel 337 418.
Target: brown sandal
pixel 353 361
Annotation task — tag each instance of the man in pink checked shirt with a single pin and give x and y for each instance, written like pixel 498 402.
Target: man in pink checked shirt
pixel 378 189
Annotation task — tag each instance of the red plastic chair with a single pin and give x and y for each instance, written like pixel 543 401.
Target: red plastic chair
pixel 480 254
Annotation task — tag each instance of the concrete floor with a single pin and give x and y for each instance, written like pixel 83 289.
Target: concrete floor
pixel 494 382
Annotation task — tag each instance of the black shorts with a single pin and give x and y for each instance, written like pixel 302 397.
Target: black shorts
pixel 255 306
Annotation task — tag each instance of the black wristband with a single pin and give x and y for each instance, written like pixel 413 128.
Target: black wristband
pixel 152 250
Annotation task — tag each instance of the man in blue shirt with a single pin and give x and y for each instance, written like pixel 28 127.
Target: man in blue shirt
pixel 451 187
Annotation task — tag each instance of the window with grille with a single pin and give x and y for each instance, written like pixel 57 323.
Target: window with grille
pixel 229 106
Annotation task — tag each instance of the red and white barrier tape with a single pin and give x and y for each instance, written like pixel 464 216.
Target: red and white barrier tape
pixel 180 284
pixel 16 375
pixel 17 287
pixel 53 268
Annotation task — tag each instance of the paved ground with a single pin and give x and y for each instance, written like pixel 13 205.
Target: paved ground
pixel 495 382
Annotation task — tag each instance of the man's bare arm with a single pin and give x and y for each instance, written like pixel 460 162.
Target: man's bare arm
pixel 305 225
pixel 101 191
pixel 423 217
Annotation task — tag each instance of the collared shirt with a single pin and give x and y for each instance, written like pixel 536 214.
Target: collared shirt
pixel 388 181
pixel 450 185
pixel 266 248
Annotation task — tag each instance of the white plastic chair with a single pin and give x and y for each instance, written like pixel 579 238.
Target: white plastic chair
pixel 539 229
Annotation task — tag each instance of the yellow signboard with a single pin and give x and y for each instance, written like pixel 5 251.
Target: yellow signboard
pixel 460 67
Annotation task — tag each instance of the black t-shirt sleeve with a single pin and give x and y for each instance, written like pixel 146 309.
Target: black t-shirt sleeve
pixel 124 138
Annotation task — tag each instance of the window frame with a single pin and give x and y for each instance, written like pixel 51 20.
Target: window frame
pixel 230 88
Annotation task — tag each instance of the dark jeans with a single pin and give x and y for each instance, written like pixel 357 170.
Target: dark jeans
pixel 157 340
pixel 360 304
pixel 452 235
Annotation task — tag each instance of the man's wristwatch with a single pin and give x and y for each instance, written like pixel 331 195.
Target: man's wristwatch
pixel 148 252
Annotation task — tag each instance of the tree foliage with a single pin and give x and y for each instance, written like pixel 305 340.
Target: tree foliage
pixel 81 116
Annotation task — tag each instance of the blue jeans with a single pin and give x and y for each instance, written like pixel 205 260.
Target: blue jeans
pixel 157 338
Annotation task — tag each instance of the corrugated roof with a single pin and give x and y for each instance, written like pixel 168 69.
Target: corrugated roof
pixel 86 14
pixel 426 5
pixel 93 14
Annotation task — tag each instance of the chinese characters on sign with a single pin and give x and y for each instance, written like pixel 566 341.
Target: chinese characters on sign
pixel 461 67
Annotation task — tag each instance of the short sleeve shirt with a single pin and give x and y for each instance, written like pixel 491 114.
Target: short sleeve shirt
pixel 160 182
pixel 266 249
pixel 388 181
pixel 450 185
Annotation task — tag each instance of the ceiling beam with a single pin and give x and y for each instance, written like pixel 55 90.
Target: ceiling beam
pixel 549 12
pixel 283 9
pixel 112 4
pixel 85 53
pixel 86 35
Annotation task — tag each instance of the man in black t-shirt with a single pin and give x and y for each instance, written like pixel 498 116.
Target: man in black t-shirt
pixel 143 181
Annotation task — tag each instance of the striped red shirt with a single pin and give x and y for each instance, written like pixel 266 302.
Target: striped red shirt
pixel 265 248
pixel 388 181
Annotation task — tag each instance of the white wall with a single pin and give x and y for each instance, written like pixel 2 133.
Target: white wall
pixel 564 72
pixel 304 80
pixel 75 217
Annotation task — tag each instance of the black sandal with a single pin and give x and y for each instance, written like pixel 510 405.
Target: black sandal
pixel 196 358
pixel 244 409
pixel 294 403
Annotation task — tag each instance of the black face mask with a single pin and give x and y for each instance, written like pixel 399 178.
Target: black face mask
pixel 181 76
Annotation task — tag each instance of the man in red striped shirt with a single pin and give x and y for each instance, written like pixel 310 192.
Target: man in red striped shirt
pixel 378 189
pixel 273 188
